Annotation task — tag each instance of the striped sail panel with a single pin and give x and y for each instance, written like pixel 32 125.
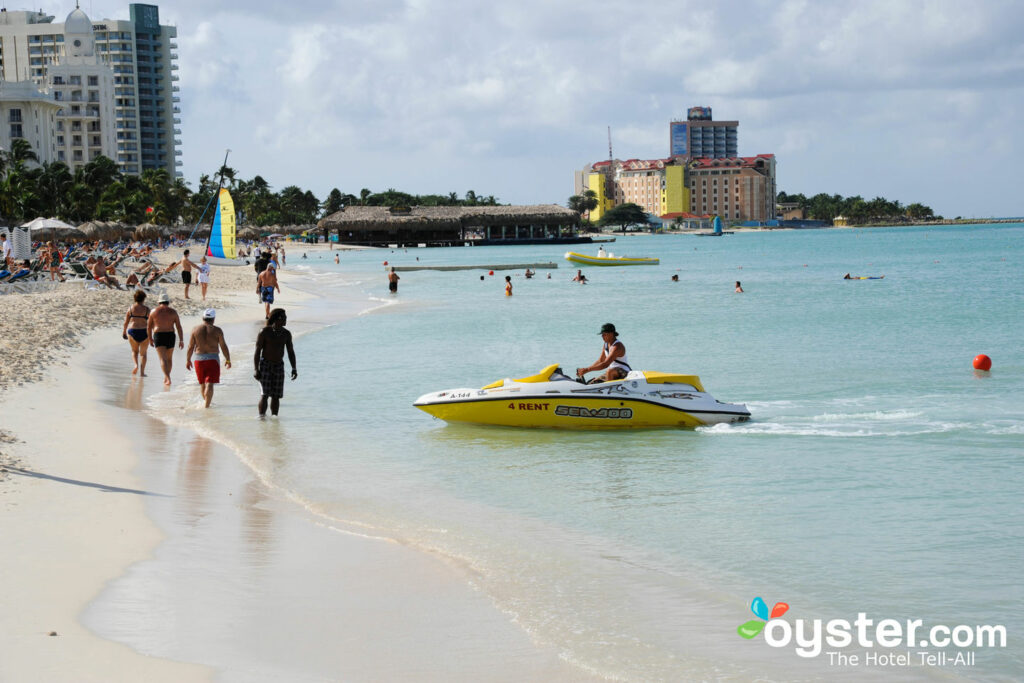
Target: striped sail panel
pixel 222 234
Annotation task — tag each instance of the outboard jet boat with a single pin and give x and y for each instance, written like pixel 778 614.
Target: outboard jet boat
pixel 553 399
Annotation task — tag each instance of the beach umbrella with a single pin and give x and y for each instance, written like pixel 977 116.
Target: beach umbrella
pixel 92 230
pixel 46 224
pixel 52 227
pixel 147 231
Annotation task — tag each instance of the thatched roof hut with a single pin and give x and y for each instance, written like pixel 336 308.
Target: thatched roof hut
pixel 448 223
pixel 147 231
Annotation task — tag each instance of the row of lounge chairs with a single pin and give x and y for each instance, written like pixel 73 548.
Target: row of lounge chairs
pixel 129 271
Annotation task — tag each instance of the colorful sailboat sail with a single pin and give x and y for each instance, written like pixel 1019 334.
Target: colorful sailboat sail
pixel 222 234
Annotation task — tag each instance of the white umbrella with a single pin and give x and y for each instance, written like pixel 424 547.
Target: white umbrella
pixel 47 224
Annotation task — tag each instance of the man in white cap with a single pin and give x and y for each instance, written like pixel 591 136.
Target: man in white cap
pixel 207 341
pixel 161 326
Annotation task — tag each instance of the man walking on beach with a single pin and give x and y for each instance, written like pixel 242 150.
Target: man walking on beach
pixel 207 341
pixel 162 324
pixel 268 283
pixel 271 343
pixel 186 270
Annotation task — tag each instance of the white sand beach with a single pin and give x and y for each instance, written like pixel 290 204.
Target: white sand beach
pixel 136 550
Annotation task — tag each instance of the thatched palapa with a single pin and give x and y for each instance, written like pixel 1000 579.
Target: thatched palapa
pixel 376 224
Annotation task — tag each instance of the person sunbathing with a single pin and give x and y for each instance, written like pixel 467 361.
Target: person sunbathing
pixel 25 269
pixel 100 274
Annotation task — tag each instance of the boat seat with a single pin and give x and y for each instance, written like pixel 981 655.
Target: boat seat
pixel 542 376
pixel 669 378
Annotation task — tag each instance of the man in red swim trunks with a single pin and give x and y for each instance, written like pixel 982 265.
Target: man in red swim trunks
pixel 207 341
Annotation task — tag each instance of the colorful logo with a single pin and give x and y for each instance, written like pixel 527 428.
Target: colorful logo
pixel 760 610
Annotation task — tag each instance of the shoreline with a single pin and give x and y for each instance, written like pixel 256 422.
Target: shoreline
pixel 88 500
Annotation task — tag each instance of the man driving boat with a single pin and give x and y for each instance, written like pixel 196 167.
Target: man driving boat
pixel 613 357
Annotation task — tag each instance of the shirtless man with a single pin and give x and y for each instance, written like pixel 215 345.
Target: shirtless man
pixel 186 270
pixel 271 343
pixel 393 281
pixel 207 341
pixel 268 283
pixel 162 324
pixel 99 273
pixel 580 277
pixel 613 356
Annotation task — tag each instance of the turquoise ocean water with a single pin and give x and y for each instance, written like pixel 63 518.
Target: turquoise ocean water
pixel 879 473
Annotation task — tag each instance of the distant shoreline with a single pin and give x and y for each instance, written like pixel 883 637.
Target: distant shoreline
pixel 947 221
pixel 769 228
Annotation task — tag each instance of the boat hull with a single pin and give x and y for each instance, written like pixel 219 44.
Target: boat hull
pixel 585 260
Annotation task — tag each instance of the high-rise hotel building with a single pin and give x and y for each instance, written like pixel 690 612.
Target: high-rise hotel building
pixel 115 81
pixel 701 137
pixel 703 175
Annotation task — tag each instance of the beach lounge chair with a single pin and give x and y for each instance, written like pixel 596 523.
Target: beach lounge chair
pixel 77 270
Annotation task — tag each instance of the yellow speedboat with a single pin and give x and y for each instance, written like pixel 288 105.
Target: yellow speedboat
pixel 585 260
pixel 552 399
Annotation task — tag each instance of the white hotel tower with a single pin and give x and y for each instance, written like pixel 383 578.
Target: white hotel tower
pixel 115 81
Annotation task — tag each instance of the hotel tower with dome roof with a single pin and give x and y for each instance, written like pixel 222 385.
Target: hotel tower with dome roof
pixel 115 82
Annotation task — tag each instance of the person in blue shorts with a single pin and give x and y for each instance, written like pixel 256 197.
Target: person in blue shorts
pixel 268 283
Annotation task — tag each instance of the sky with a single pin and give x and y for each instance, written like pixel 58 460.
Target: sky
pixel 916 101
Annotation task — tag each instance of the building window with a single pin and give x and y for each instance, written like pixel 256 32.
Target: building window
pixel 14 116
pixel 16 130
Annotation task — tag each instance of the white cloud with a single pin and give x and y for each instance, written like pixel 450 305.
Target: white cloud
pixel 872 97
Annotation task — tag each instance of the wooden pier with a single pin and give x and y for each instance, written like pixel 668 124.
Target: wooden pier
pixel 495 266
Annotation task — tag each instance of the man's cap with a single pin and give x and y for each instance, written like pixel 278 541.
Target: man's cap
pixel 608 327
pixel 164 298
pixel 209 314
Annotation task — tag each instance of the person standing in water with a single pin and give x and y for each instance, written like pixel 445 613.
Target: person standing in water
pixel 268 283
pixel 393 281
pixel 271 344
pixel 739 288
pixel 207 341
pixel 136 320
pixel 508 285
pixel 162 324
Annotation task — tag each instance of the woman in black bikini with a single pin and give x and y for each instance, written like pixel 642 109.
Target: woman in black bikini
pixel 134 330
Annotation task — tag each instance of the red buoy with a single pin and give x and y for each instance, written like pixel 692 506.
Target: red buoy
pixel 982 362
pixel 385 263
pixel 490 272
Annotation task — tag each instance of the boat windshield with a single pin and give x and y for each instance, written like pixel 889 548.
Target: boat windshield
pixel 558 376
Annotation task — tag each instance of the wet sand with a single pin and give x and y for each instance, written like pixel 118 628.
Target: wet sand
pixel 155 554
